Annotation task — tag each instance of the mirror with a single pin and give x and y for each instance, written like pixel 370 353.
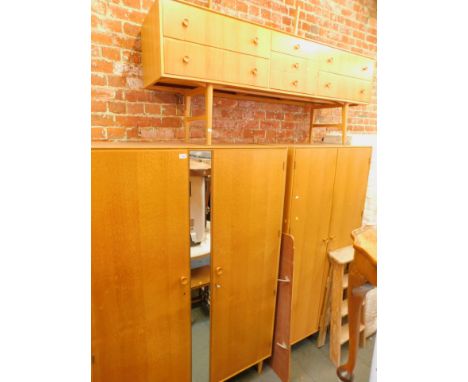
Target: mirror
pixel 200 249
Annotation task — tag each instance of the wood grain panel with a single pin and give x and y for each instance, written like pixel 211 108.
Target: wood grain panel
pixel 310 210
pixel 140 250
pixel 247 198
pixel 349 195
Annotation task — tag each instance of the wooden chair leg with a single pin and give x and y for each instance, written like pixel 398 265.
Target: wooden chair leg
pixel 357 292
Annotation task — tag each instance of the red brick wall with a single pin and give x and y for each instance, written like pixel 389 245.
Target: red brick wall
pixel 122 110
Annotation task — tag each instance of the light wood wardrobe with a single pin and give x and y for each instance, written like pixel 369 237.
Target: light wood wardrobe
pixel 141 326
pixel 325 197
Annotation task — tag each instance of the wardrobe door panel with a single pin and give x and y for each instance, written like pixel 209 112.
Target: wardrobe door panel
pixel 349 195
pixel 247 205
pixel 140 272
pixel 310 210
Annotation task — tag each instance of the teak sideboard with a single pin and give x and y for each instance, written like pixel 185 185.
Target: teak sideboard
pixel 195 50
pixel 141 309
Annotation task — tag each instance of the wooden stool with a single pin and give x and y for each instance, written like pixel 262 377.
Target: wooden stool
pixel 335 307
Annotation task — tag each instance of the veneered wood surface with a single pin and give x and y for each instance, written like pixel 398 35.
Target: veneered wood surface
pixel 247 204
pixel 281 356
pixel 349 195
pixel 141 327
pixel 309 214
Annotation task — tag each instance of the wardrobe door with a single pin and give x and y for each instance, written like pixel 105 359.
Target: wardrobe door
pixel 247 205
pixel 140 266
pixel 309 220
pixel 349 195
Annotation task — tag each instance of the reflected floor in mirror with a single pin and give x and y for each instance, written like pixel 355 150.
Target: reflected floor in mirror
pixel 200 344
pixel 310 364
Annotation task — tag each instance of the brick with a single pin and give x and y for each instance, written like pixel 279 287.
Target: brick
pixel 116 81
pixel 151 108
pixel 131 29
pixel 101 66
pixel 98 79
pixel 117 107
pixel 98 106
pixel 171 122
pixel 115 133
pixel 101 38
pixel 135 108
pixel 112 25
pixel 132 3
pixel 98 133
pixel 111 53
pixel 101 120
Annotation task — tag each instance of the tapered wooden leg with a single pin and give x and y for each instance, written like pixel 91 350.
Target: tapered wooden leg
pixel 188 104
pixel 335 316
pixel 209 112
pixel 357 291
pixel 260 367
pixel 344 123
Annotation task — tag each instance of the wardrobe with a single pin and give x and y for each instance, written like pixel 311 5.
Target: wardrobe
pixel 141 325
pixel 324 202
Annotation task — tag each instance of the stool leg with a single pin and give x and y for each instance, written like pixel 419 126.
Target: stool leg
pixel 325 316
pixel 260 367
pixel 335 319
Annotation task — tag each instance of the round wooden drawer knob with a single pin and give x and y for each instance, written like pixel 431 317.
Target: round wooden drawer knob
pixel 362 91
pixel 296 65
pixel 185 23
pixel 295 83
pixel 330 60
pixel 297 46
pixel 186 59
pixel 328 85
pixel 364 69
pixel 255 41
pixel 184 280
pixel 254 71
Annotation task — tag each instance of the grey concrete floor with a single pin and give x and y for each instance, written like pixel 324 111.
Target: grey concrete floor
pixel 309 364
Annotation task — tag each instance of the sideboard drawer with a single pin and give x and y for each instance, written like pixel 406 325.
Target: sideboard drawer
pixel 341 62
pixel 192 24
pixel 342 87
pixel 286 63
pixel 208 63
pixel 295 46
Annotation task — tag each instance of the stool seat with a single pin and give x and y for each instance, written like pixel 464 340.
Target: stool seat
pixel 342 255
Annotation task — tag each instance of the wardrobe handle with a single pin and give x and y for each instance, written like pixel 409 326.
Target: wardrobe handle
pixel 285 280
pixel 183 280
pixel 282 345
pixel 186 59
pixel 219 271
pixel 185 22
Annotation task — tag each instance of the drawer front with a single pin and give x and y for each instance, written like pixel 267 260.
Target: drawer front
pixel 344 88
pixel 187 23
pixel 288 64
pixel 340 62
pixel 293 45
pixel 208 63
pixel 291 82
